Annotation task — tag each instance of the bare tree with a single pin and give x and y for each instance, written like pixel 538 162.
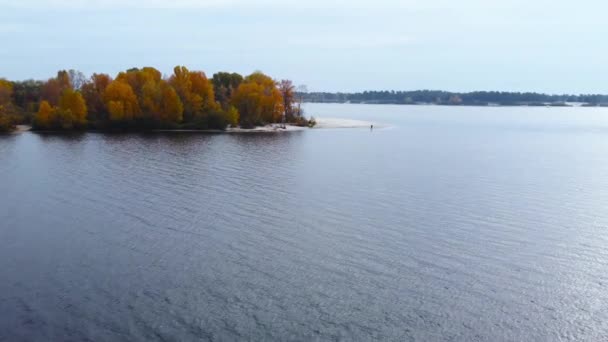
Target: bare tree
pixel 301 90
pixel 77 79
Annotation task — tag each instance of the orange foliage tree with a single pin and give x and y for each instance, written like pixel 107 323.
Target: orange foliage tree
pixel 42 119
pixel 143 98
pixel 258 100
pixel 53 88
pixel 195 91
pixel 160 103
pixel 121 102
pixel 73 106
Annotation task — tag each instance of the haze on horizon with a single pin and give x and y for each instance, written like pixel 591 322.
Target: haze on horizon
pixel 517 45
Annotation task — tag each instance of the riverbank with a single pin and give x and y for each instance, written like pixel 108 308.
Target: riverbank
pixel 321 123
pixel 272 128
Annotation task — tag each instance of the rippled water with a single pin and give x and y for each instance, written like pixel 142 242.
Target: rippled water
pixel 456 224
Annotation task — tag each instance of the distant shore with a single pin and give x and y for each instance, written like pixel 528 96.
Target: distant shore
pixel 449 98
pixel 558 105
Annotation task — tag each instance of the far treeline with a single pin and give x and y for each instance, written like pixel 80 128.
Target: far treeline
pixel 140 99
pixel 438 97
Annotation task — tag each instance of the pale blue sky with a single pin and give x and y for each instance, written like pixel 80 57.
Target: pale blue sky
pixel 538 45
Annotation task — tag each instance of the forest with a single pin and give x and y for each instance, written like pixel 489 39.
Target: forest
pixel 477 98
pixel 141 99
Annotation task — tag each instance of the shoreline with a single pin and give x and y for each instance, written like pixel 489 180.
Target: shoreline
pixel 272 128
pixel 322 123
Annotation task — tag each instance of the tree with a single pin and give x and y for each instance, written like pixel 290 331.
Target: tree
pixel 137 78
pixel 77 79
pixel 72 101
pixel 195 92
pixel 63 77
pixel 287 90
pixel 121 102
pixel 26 94
pixel 6 91
pixel 92 91
pixel 63 119
pixel 9 113
pixel 171 105
pixel 54 87
pixel 246 100
pixel 6 123
pixel 160 103
pixel 42 120
pixel 301 90
pixel 258 100
pixel 224 85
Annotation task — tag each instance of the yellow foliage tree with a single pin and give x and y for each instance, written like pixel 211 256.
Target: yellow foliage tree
pixel 6 91
pixel 172 108
pixel 73 102
pixel 160 103
pixel 137 78
pixel 121 102
pixel 42 120
pixel 195 92
pixel 258 100
pixel 116 109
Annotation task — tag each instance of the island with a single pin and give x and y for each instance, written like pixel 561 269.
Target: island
pixel 142 99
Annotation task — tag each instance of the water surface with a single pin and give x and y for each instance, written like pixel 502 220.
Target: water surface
pixel 451 224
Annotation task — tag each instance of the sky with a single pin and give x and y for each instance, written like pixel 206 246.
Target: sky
pixel 554 46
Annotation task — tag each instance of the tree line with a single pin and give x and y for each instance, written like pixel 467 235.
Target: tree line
pixel 476 98
pixel 144 99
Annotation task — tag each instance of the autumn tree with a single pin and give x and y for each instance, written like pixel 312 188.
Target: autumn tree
pixel 6 123
pixel 42 119
pixel 67 116
pixel 54 87
pixel 160 103
pixel 137 78
pixel 93 91
pixel 195 92
pixel 51 91
pixel 6 91
pixel 258 100
pixel 121 102
pixel 144 98
pixel 224 85
pixel 63 77
pixel 63 119
pixel 8 111
pixel 72 101
pixel 287 90
pixel 172 108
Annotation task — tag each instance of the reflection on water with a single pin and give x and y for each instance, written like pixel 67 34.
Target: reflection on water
pixel 455 224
